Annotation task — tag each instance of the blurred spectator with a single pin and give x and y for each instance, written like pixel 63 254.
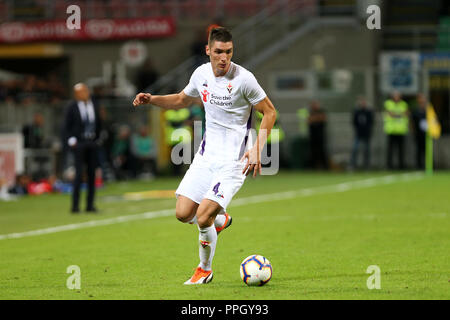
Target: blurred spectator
pixel 362 119
pixel 299 143
pixel 40 187
pixel 122 160
pixel 420 126
pixel 396 128
pixel 198 114
pixel 9 90
pixel 28 89
pixel 178 134
pixel 197 124
pixel 98 91
pixel 33 133
pixel 317 121
pixel 21 185
pixel 56 91
pixel 146 76
pixel 144 151
pixel 31 90
pixel 272 144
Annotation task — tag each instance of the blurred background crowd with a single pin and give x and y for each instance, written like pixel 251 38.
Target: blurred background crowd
pixel 348 97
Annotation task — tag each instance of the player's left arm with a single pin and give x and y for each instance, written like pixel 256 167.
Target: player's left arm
pixel 253 156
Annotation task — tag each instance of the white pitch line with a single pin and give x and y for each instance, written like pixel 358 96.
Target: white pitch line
pixel 89 224
pixel 306 192
pixel 340 187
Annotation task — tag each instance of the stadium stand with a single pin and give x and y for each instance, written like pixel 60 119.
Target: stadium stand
pixel 321 46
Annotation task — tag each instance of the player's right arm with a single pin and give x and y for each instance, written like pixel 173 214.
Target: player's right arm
pixel 169 101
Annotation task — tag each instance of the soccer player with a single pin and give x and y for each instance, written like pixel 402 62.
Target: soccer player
pixel 228 92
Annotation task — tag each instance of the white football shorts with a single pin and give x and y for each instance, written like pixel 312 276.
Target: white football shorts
pixel 206 179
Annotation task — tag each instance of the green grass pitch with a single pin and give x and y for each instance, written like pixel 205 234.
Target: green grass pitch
pixel 320 231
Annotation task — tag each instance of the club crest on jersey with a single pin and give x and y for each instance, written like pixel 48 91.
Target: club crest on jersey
pixel 205 95
pixel 229 88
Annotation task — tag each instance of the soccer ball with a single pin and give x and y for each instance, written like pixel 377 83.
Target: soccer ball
pixel 256 270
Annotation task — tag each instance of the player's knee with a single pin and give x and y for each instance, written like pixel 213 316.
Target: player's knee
pixel 204 220
pixel 185 209
pixel 183 215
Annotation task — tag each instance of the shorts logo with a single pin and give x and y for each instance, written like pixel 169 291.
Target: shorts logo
pixel 218 193
pixel 229 88
pixel 204 244
pixel 205 95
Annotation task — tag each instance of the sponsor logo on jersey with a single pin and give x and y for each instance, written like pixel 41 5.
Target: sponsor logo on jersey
pixel 220 195
pixel 223 101
pixel 205 95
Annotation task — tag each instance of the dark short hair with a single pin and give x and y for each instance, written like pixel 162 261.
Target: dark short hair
pixel 220 34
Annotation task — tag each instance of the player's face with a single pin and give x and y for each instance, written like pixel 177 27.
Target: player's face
pixel 220 54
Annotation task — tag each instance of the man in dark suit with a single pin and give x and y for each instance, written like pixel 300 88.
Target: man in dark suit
pixel 33 133
pixel 82 127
